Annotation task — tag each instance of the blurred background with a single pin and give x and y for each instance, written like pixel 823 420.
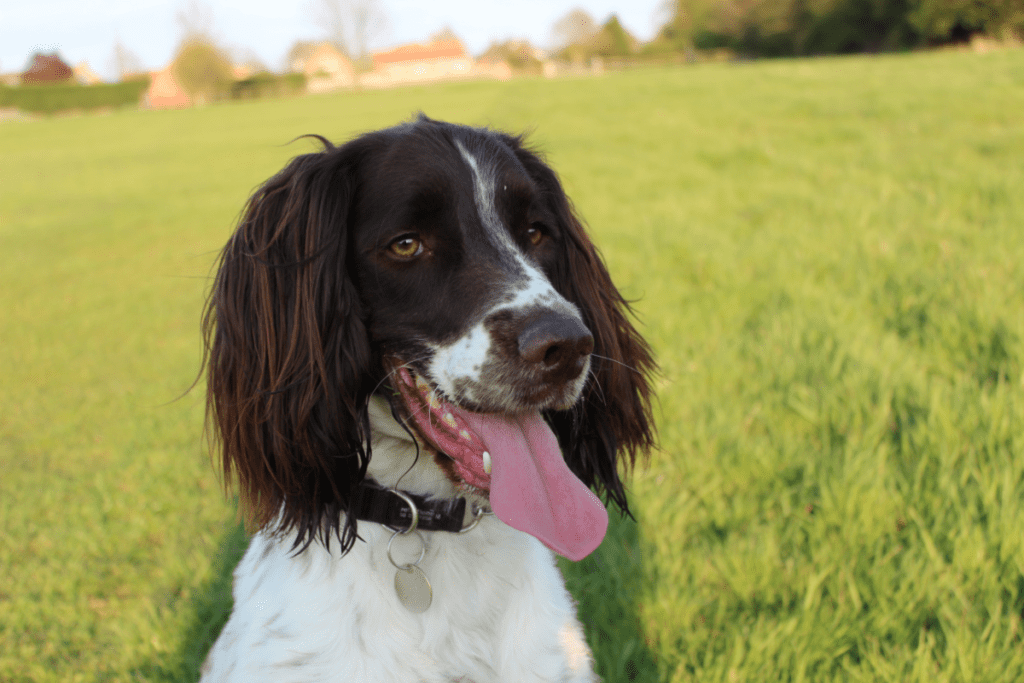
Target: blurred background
pixel 176 53
pixel 814 204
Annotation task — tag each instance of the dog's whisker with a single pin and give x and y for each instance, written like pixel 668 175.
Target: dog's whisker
pixel 628 367
pixel 407 365
pixel 592 375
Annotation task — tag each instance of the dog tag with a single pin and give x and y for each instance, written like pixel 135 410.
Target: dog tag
pixel 413 589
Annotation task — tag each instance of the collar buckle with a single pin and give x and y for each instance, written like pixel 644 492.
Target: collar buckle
pixel 409 511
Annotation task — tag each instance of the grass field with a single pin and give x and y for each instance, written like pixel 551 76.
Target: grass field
pixel 827 255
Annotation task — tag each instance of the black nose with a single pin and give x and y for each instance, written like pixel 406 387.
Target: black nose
pixel 557 344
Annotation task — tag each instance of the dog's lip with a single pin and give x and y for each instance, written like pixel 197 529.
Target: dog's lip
pixel 441 423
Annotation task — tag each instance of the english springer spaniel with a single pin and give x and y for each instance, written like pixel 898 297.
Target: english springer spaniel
pixel 417 369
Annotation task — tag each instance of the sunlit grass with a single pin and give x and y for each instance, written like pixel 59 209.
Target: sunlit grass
pixel 826 254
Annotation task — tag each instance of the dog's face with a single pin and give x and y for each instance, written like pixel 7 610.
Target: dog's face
pixel 456 245
pixel 444 266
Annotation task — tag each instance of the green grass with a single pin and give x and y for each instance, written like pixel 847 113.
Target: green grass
pixel 828 257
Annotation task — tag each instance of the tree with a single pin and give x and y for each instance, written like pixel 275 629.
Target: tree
pixel 685 19
pixel 943 20
pixel 297 55
pixel 202 68
pixel 580 38
pixel 47 68
pixel 613 40
pixel 196 22
pixel 248 60
pixel 444 34
pixel 124 63
pixel 575 28
pixel 799 27
pixel 350 24
pixel 788 27
pixel 519 54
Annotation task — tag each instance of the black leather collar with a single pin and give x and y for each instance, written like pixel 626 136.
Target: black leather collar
pixel 383 506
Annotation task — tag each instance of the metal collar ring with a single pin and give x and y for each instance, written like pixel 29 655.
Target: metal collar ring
pixel 412 506
pixel 423 550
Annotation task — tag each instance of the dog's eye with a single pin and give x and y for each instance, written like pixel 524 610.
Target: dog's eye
pixel 406 247
pixel 535 233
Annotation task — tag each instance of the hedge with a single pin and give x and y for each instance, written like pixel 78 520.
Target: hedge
pixel 48 99
pixel 268 85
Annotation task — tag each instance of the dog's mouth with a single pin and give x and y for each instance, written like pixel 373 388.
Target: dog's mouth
pixel 516 461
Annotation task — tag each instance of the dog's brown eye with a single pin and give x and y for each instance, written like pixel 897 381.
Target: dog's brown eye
pixel 406 247
pixel 536 233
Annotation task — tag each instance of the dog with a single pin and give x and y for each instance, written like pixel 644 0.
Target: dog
pixel 418 373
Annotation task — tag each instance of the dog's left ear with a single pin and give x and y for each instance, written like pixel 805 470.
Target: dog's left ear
pixel 289 369
pixel 614 415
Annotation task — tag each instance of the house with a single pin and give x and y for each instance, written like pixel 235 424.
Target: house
pixel 165 92
pixel 47 68
pixel 325 66
pixel 84 75
pixel 491 67
pixel 443 59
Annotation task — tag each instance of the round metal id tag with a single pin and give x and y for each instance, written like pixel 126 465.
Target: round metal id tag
pixel 413 589
pixel 411 584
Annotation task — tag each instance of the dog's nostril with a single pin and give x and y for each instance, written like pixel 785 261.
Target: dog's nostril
pixel 558 343
pixel 552 354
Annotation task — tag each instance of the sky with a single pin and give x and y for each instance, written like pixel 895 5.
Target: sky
pixel 86 30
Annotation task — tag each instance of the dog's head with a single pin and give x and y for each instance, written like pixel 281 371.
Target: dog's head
pixel 443 265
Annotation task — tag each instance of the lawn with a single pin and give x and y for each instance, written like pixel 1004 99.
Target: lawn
pixel 827 256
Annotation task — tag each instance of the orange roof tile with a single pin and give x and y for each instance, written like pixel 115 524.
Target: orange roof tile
pixel 416 51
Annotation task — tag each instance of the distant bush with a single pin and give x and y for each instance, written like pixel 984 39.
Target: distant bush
pixel 773 28
pixel 266 84
pixel 49 99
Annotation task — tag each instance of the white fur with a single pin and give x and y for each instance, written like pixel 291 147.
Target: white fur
pixel 461 360
pixel 500 610
pixel 537 291
pixel 483 193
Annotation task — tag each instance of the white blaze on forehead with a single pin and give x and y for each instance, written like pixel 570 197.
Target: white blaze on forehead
pixel 533 287
pixel 483 193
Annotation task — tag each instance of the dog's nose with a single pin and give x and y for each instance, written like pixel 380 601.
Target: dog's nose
pixel 559 344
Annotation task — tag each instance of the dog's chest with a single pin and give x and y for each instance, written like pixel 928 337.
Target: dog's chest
pixel 499 612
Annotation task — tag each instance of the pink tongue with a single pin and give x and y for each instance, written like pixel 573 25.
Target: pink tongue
pixel 533 490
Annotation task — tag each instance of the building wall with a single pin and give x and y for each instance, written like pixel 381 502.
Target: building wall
pixel 328 70
pixel 420 71
pixel 165 92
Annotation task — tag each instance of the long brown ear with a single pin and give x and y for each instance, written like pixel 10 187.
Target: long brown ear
pixel 287 356
pixel 615 413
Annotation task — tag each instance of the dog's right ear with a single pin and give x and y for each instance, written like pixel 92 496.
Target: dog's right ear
pixel 287 355
pixel 613 423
